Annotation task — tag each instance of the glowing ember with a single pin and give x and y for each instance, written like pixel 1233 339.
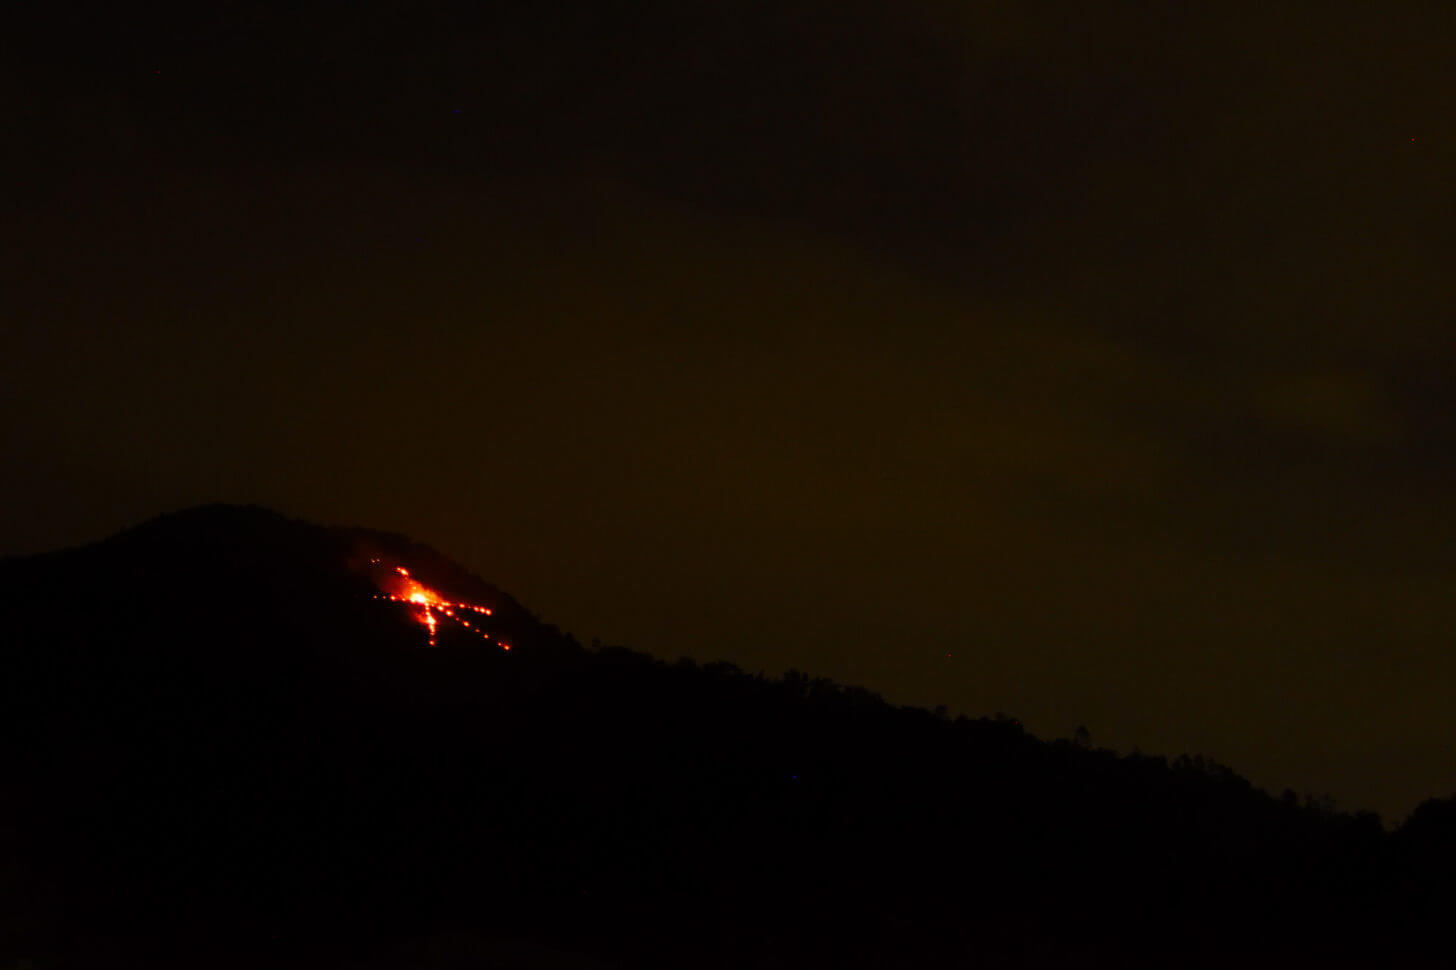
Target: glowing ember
pixel 429 606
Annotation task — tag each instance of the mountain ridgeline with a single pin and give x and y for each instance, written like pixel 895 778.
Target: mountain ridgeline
pixel 222 744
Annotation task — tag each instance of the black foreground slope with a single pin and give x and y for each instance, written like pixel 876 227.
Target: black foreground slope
pixel 220 745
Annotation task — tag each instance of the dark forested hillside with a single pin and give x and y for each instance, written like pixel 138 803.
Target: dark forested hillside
pixel 221 744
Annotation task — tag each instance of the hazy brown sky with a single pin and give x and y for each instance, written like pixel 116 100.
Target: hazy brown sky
pixel 1107 352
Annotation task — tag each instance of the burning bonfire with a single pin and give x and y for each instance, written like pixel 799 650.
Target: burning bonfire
pixel 429 607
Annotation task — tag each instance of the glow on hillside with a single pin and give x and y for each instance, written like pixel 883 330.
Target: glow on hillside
pixel 429 608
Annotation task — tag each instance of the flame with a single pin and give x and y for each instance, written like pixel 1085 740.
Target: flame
pixel 428 606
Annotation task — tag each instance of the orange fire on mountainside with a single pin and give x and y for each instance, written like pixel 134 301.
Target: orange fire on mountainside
pixel 429 606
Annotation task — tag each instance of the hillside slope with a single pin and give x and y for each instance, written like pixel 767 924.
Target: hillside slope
pixel 222 741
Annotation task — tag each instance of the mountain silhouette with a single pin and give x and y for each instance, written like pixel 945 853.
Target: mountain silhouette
pixel 224 742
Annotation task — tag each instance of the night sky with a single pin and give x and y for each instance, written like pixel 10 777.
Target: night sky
pixel 1086 362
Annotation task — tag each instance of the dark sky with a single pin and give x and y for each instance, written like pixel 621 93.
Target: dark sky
pixel 1086 362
